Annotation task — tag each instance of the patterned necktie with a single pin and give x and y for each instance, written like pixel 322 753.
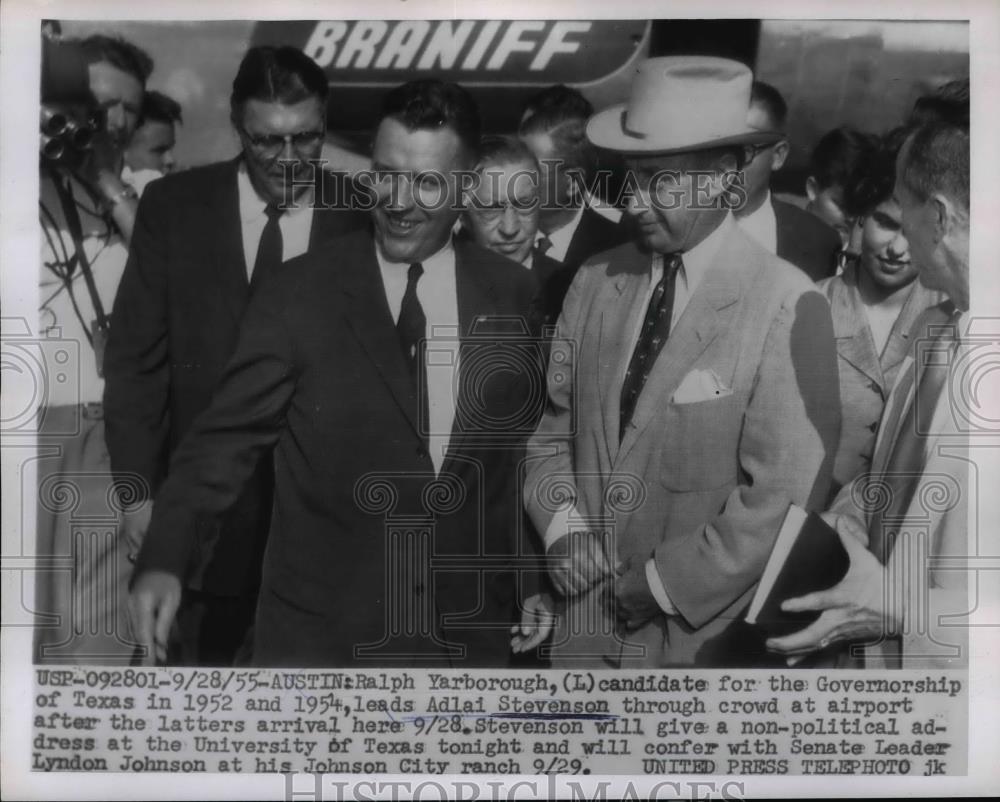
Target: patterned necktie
pixel 269 249
pixel 904 467
pixel 652 336
pixel 412 331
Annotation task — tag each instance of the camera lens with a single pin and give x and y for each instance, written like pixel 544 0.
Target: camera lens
pixel 53 123
pixel 80 137
pixel 52 147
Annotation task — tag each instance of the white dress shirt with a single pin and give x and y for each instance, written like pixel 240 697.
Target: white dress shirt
pixel 438 295
pixel 295 224
pixel 762 225
pixel 562 237
pixel 695 264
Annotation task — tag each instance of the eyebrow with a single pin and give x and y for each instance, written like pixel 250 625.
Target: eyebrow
pixel 885 220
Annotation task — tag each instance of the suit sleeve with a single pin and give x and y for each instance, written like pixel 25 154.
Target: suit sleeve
pixel 549 489
pixel 136 363
pixel 222 448
pixel 790 432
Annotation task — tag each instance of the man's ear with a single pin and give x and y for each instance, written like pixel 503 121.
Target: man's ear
pixel 812 189
pixel 779 155
pixel 942 215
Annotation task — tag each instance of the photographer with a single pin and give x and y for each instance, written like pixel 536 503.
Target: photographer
pixel 92 92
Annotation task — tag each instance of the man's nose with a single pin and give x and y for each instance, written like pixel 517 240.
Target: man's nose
pixel 508 222
pixel 400 193
pixel 115 117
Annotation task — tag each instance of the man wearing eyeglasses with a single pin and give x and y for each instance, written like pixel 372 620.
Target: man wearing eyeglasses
pixel 204 242
pixel 782 228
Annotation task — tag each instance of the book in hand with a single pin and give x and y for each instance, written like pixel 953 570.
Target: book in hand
pixel 808 556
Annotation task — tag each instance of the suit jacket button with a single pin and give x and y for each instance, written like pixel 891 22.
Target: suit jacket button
pixel 873 426
pixel 875 388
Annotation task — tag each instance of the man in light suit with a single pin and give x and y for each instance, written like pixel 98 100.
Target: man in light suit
pixel 689 395
pixel 385 462
pixel 912 508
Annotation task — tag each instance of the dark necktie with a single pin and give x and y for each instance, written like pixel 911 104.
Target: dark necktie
pixel 905 464
pixel 542 245
pixel 652 336
pixel 269 249
pixel 411 327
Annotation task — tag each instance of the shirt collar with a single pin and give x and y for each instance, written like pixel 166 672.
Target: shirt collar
pixel 441 260
pixel 562 237
pixel 252 206
pixel 701 257
pixel 762 225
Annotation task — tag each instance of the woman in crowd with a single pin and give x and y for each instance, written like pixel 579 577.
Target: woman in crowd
pixel 874 303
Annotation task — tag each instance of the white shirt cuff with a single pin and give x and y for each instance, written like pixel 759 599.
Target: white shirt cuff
pixel 559 525
pixel 657 589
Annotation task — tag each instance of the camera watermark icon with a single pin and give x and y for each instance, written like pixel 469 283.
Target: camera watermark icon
pixel 496 376
pixel 36 369
pixel 971 362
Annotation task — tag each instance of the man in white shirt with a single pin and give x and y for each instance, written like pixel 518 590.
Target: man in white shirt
pixel 205 242
pixel 392 373
pixel 782 228
pixel 689 388
pixel 553 126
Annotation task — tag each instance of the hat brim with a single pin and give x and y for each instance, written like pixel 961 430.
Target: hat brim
pixel 607 130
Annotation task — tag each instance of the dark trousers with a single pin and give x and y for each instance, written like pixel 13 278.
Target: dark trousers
pixel 212 630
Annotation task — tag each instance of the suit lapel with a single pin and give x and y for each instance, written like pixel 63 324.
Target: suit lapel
pixel 707 313
pixel 899 344
pixel 850 327
pixel 620 311
pixel 224 228
pixel 368 315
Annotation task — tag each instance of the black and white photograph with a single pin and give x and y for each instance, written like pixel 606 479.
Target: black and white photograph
pixel 561 400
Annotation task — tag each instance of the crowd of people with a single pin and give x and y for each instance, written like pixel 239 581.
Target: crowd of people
pixel 488 403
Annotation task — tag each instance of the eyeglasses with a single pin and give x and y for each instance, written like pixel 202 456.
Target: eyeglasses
pixel 493 213
pixel 271 145
pixel 753 151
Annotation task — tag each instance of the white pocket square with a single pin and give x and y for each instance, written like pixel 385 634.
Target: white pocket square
pixel 700 385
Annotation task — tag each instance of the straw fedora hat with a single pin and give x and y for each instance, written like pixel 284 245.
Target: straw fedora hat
pixel 678 104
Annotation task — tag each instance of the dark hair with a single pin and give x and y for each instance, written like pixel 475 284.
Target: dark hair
pixel 118 53
pixel 874 175
pixel 937 160
pixel 950 104
pixel 277 75
pixel 431 104
pixel 562 114
pixel 836 156
pixel 495 150
pixel 553 106
pixel 158 107
pixel 770 99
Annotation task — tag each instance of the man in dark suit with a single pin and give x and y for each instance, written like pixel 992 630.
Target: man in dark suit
pixel 203 242
pixel 782 228
pixel 394 538
pixel 553 126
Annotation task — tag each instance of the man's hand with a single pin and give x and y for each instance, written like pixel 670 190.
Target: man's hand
pixel 634 601
pixel 152 605
pixel 851 610
pixel 135 523
pixel 578 562
pixel 537 620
